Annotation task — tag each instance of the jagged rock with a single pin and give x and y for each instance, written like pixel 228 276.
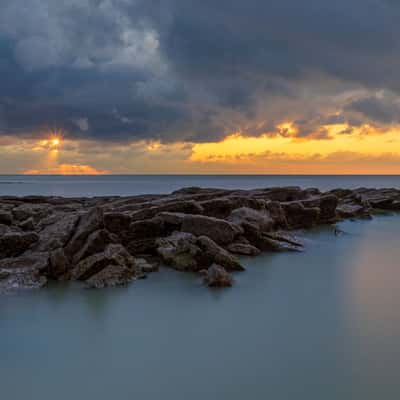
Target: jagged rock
pixel 22 280
pixel 219 230
pixel 114 254
pixel 95 243
pixel 299 216
pixel 217 276
pixel 36 211
pixel 29 261
pixel 13 244
pixel 144 266
pixel 88 223
pixel 58 264
pixel 117 222
pixel 170 218
pixel 211 252
pixel 111 275
pixel 260 219
pixel 243 249
pixel 180 251
pixel 28 225
pixel 57 231
pixel 218 208
pixel 6 217
pixel 277 214
pixel 351 210
pixel 147 228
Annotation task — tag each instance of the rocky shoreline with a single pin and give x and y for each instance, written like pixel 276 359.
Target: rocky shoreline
pixel 110 241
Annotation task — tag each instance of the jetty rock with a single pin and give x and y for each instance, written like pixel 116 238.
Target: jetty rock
pixel 112 241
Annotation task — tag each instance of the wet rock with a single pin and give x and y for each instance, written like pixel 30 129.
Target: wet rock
pixel 219 230
pixel 243 249
pixel 59 264
pixel 111 275
pixel 21 281
pixel 114 254
pixel 146 267
pixel 30 261
pixel 351 211
pixel 180 251
pixel 212 253
pixel 6 217
pixel 13 244
pixel 217 276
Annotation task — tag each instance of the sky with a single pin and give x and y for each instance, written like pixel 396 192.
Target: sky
pixel 189 86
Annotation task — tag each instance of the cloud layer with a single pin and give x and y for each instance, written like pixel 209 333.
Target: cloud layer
pixel 197 71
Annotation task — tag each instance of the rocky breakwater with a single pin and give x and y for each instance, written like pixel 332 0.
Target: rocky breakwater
pixel 109 241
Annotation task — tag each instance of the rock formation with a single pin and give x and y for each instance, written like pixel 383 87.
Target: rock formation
pixel 109 241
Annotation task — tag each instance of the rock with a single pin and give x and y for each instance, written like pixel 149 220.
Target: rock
pixel 6 217
pixel 299 216
pixel 180 251
pixel 212 253
pixel 153 227
pixel 243 249
pixel 36 211
pixel 22 280
pixel 116 222
pixel 170 218
pixel 351 210
pixel 57 231
pixel 217 276
pixel 13 244
pixel 95 243
pixel 144 266
pixel 260 219
pixel 218 208
pixel 28 224
pixel 219 230
pixel 58 264
pixel 30 261
pixel 111 275
pixel 114 254
pixel 88 223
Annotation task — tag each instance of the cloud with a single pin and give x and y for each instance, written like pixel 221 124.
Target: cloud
pixel 196 71
pixel 66 169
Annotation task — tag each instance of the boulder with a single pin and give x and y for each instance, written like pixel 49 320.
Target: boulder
pixel 351 210
pixel 219 230
pixel 243 249
pixel 29 261
pixel 59 264
pixel 212 253
pixel 111 275
pixel 36 211
pixel 28 224
pixel 116 222
pixel 56 231
pixel 13 244
pixel 88 223
pixel 22 280
pixel 299 216
pixel 114 254
pixel 144 266
pixel 6 217
pixel 217 276
pixel 260 219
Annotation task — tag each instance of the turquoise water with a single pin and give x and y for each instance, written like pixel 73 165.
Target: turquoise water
pixel 124 185
pixel 324 324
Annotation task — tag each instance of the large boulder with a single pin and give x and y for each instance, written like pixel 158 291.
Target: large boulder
pixel 88 223
pixel 299 216
pixel 111 275
pixel 219 230
pixel 114 254
pixel 117 222
pixel 13 244
pixel 217 276
pixel 259 219
pixel 56 231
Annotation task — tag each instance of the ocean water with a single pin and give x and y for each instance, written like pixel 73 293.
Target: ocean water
pixel 124 185
pixel 322 324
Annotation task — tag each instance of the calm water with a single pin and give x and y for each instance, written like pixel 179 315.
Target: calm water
pixel 124 185
pixel 324 324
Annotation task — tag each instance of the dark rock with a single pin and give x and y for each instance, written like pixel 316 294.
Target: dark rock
pixel 145 266
pixel 29 261
pixel 22 280
pixel 351 210
pixel 260 219
pixel 6 217
pixel 219 230
pixel 116 222
pixel 58 264
pixel 114 254
pixel 243 249
pixel 299 216
pixel 13 244
pixel 95 243
pixel 28 224
pixel 111 275
pixel 217 276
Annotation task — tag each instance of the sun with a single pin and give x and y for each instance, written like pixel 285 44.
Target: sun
pixel 55 142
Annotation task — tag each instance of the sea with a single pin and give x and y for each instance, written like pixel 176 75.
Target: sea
pixel 323 324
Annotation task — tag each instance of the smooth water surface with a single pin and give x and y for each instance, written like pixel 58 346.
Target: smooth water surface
pixel 323 324
pixel 124 185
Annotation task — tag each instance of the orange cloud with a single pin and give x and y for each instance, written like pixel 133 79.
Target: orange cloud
pixel 67 169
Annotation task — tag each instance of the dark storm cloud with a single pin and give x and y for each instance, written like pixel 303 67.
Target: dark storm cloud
pixel 192 70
